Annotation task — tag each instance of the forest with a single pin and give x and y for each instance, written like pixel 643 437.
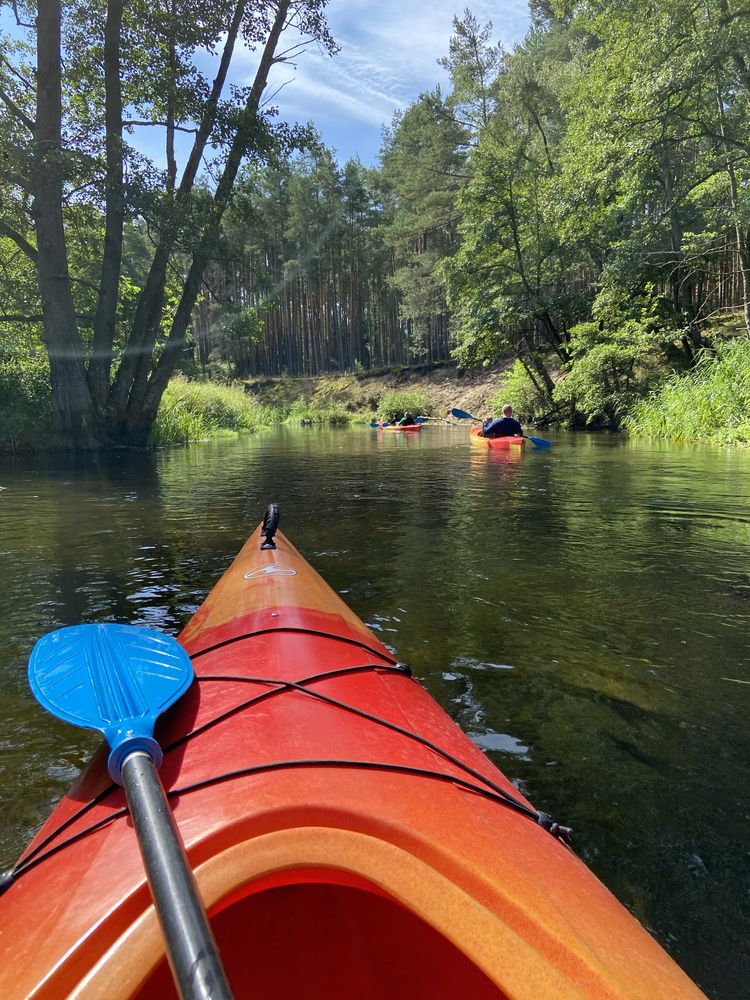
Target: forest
pixel 578 206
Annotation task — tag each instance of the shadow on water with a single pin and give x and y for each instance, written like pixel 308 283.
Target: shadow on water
pixel 582 612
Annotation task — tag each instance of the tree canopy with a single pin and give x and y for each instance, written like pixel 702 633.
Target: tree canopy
pixel 579 203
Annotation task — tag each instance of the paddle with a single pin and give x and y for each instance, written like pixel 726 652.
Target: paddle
pixel 374 423
pixel 118 679
pixel 537 442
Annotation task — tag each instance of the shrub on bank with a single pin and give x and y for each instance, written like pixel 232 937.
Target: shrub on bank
pixel 306 411
pixel 190 411
pixel 25 412
pixel 393 405
pixel 709 403
pixel 517 389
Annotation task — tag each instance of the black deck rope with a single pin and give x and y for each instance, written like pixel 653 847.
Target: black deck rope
pixel 278 765
pixel 277 689
pixel 489 789
pixel 410 734
pixel 302 631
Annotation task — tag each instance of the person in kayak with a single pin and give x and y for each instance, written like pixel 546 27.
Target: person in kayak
pixel 407 420
pixel 505 426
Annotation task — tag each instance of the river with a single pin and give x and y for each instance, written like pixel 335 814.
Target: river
pixel 582 611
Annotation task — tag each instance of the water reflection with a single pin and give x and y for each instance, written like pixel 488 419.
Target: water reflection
pixel 581 611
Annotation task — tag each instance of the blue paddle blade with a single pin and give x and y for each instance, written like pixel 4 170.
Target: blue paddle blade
pixel 540 442
pixel 117 679
pixel 463 415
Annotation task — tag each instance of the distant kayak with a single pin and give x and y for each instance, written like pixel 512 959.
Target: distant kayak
pixel 348 839
pixel 397 427
pixel 501 442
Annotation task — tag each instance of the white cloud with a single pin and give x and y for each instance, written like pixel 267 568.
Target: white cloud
pixel 388 56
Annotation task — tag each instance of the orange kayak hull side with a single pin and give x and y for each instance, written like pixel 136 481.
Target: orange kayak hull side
pixel 335 819
pixel 501 442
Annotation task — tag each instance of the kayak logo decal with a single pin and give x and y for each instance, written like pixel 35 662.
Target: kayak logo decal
pixel 273 570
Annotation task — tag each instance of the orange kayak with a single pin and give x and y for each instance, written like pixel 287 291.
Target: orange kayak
pixel 501 442
pixel 347 838
pixel 397 427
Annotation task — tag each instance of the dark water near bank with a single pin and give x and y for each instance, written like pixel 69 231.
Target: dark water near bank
pixel 583 612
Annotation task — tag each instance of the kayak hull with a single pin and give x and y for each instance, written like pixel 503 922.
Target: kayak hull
pixel 408 429
pixel 346 836
pixel 501 443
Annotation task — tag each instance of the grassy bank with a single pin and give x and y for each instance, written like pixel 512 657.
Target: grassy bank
pixel 711 403
pixel 193 411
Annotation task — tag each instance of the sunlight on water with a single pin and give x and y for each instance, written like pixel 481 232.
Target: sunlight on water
pixel 583 612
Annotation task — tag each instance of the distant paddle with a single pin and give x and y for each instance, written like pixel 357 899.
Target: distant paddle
pixel 118 679
pixel 537 442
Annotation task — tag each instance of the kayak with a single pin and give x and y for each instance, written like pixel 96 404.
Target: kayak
pixel 348 840
pixel 397 427
pixel 501 442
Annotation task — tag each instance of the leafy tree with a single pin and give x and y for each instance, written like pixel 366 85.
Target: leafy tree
pixel 658 145
pixel 95 64
pixel 513 280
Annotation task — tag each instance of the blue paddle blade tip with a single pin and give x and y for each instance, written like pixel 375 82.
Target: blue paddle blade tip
pixel 117 679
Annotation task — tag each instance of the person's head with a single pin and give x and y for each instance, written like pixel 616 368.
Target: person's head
pixel 507 410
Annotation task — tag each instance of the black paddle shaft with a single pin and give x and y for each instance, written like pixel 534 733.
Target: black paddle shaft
pixel 191 948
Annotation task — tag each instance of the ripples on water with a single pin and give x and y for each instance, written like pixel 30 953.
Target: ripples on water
pixel 582 612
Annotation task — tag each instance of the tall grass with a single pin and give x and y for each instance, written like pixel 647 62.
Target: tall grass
pixel 191 411
pixel 709 403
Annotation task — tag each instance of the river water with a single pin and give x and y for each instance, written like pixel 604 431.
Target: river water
pixel 583 612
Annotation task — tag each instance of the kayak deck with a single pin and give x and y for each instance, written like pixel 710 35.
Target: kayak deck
pixel 347 838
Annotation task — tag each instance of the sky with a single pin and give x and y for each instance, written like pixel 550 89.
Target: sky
pixel 388 57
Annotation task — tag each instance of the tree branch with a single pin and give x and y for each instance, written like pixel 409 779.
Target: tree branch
pixel 16 111
pixel 21 242
pixel 85 318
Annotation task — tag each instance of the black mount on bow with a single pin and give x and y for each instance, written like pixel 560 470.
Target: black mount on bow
pixel 270 524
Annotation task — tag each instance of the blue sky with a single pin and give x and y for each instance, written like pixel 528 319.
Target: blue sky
pixel 389 53
pixel 388 56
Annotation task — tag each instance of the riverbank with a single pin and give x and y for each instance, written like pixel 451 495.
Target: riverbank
pixel 361 394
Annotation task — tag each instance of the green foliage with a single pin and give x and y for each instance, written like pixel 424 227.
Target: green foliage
pixel 709 403
pixel 422 170
pixel 517 388
pixel 25 416
pixel 511 282
pixel 473 63
pixel 191 411
pixel 393 405
pixel 602 384
pixel 70 176
pixel 304 410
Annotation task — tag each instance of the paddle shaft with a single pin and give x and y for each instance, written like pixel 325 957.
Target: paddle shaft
pixel 191 947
